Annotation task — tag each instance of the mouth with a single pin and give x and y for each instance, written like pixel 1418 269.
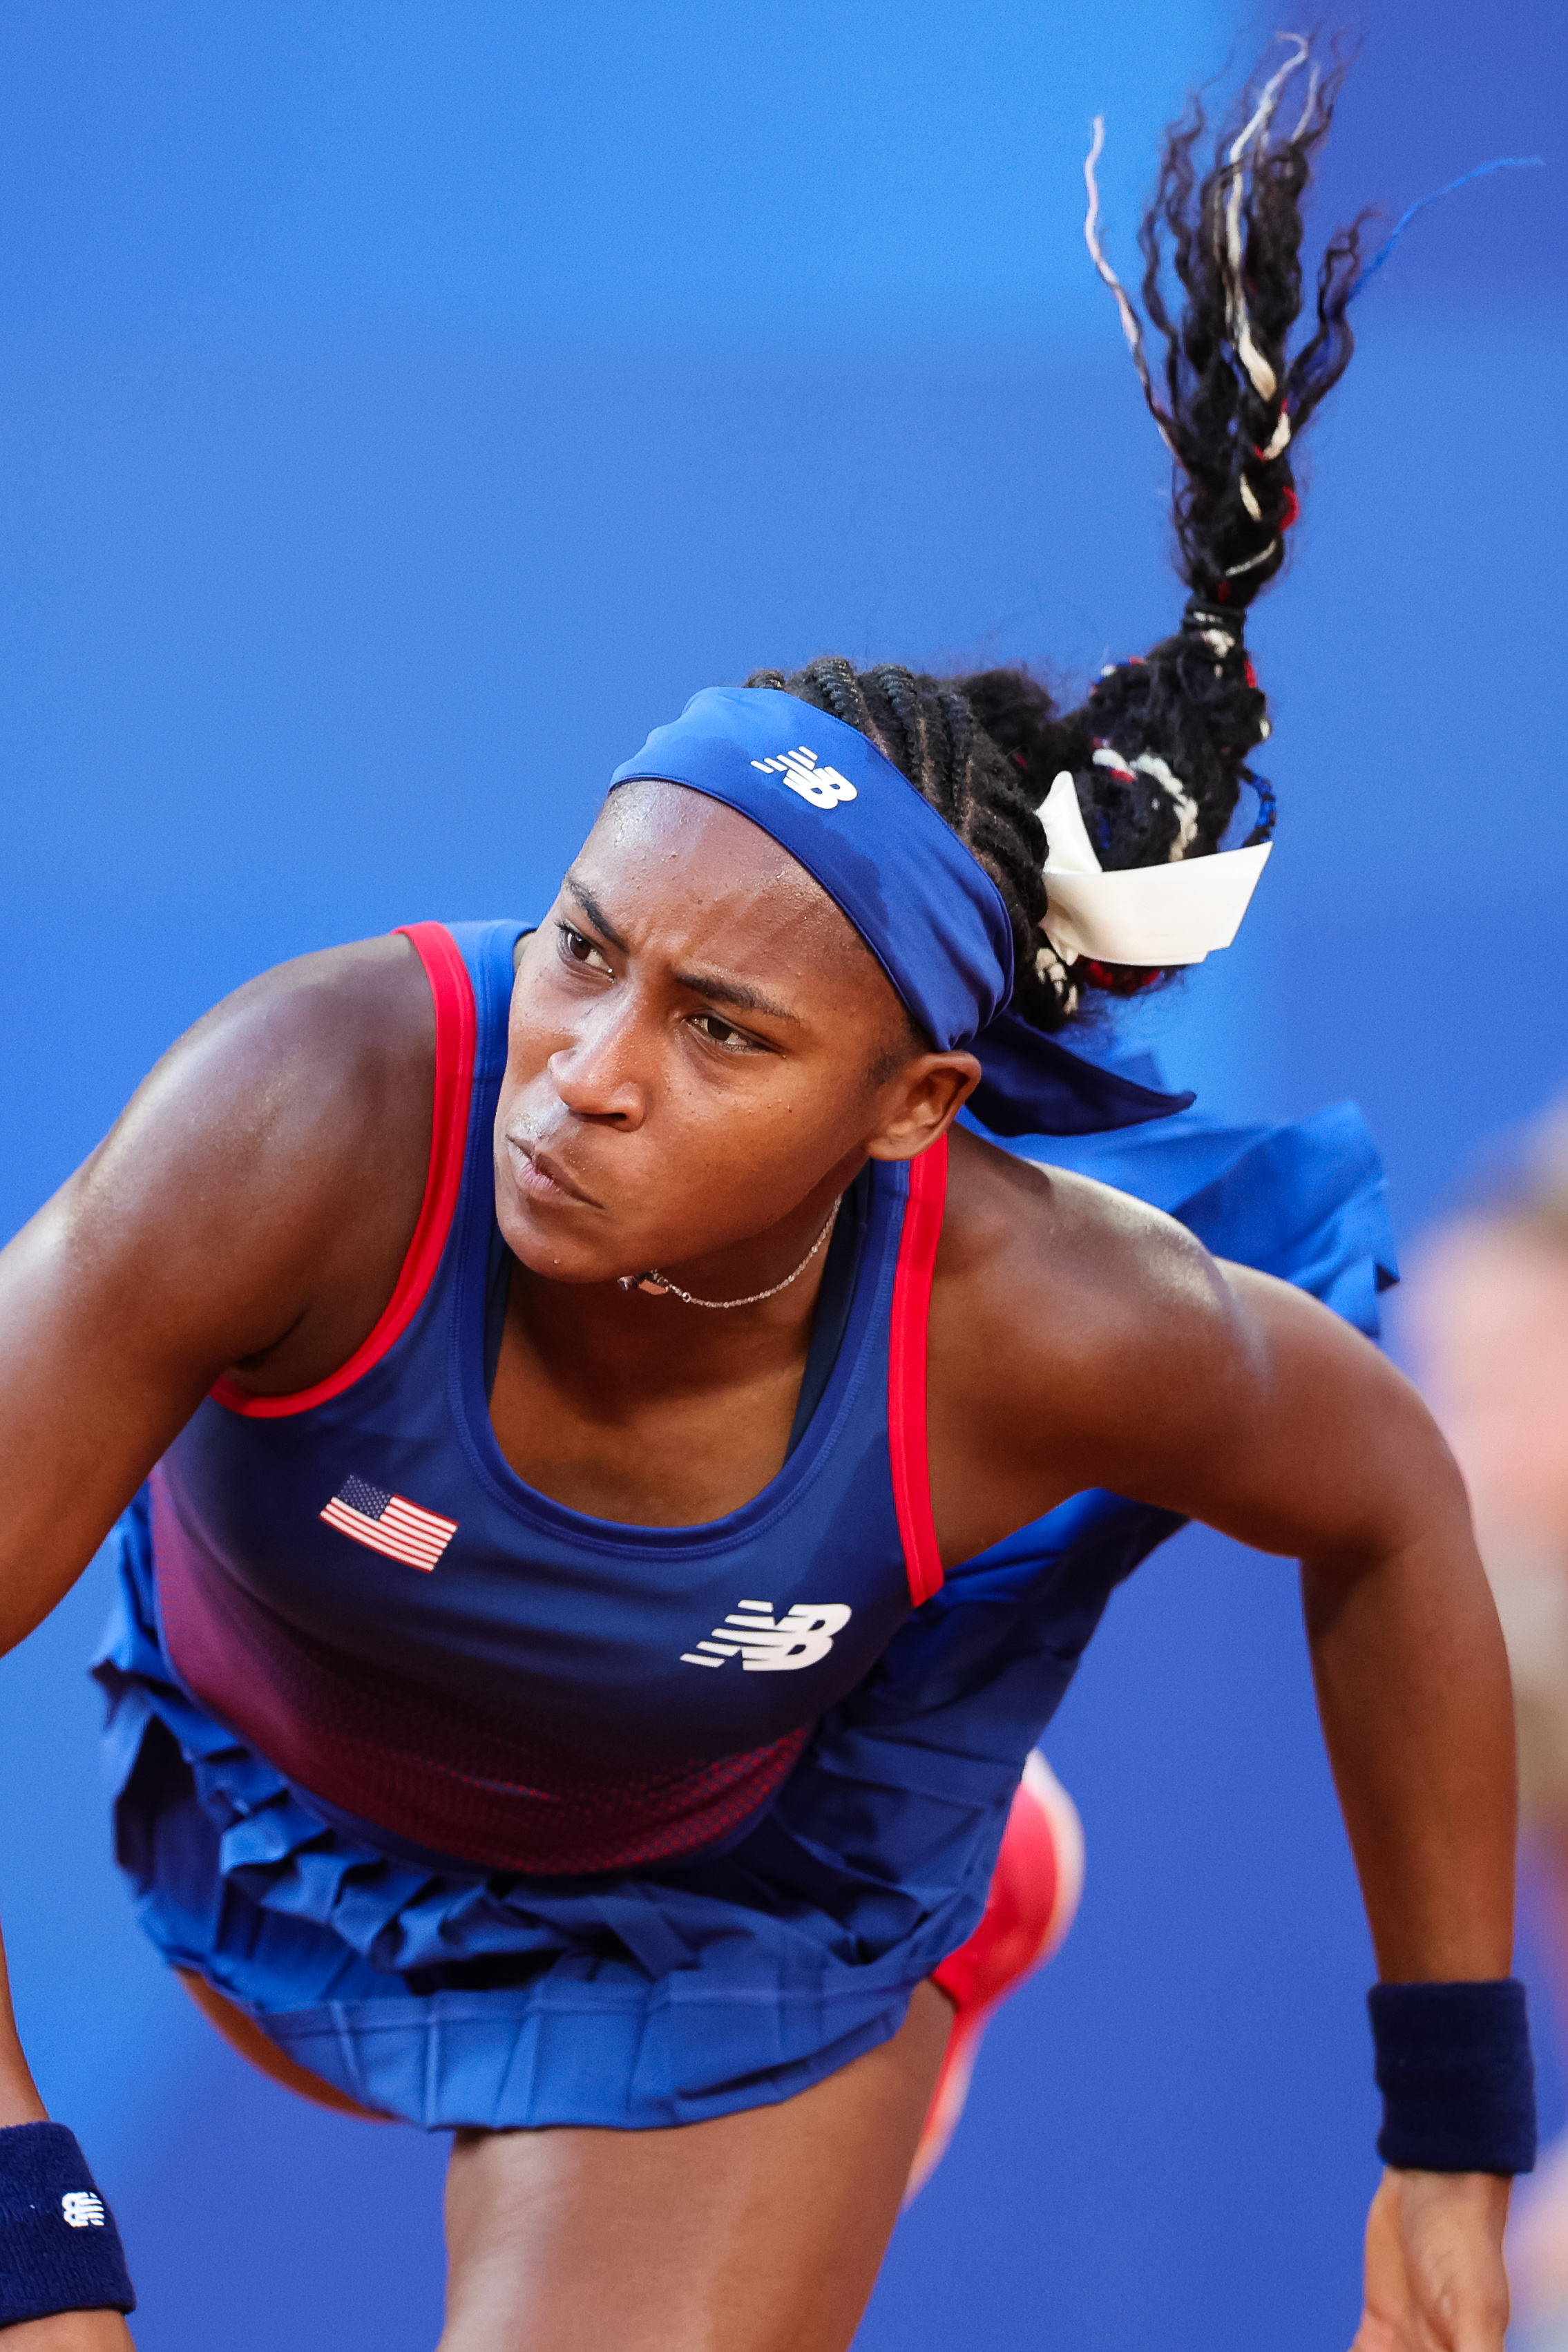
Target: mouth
pixel 542 1179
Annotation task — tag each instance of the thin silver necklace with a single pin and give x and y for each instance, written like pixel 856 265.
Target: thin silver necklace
pixel 658 1286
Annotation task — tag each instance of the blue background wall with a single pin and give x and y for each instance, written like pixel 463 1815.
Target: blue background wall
pixel 403 407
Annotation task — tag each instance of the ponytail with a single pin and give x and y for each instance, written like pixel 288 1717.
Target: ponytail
pixel 1157 751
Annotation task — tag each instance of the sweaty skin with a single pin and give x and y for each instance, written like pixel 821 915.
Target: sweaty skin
pixel 702 1055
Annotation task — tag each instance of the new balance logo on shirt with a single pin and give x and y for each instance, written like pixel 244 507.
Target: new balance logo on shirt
pixel 768 1646
pixel 82 2210
pixel 804 774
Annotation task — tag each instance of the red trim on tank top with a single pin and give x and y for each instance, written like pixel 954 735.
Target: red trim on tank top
pixel 457 1027
pixel 907 1370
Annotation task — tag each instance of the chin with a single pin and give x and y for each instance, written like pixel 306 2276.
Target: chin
pixel 551 1267
pixel 544 1242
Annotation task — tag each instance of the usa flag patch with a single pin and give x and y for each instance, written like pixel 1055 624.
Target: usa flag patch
pixel 389 1523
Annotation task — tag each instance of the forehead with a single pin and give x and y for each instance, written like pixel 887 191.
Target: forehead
pixel 670 866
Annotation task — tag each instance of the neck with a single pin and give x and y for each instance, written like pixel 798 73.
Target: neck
pixel 646 1410
pixel 609 1346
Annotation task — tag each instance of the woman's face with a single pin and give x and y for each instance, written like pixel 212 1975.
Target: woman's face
pixel 1489 1310
pixel 699 1043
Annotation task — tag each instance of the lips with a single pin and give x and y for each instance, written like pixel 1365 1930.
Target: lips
pixel 540 1177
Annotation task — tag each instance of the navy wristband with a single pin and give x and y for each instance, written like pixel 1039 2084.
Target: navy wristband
pixel 1457 2076
pixel 59 2250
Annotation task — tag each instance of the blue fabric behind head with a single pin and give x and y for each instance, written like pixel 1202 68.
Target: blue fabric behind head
pixel 922 902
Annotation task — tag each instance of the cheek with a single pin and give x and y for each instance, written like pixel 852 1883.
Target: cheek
pixel 764 1141
pixel 712 1167
pixel 539 1022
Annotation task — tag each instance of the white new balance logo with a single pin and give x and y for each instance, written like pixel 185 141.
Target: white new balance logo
pixel 766 1646
pixel 803 774
pixel 82 2210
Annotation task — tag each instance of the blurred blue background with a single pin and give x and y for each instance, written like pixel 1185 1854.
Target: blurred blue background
pixel 402 407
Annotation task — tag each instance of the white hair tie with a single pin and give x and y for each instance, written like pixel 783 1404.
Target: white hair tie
pixel 1155 916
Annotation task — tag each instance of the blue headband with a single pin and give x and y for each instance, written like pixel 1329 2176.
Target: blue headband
pixel 922 902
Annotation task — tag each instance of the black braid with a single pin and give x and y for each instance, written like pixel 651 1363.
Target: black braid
pixel 1219 419
pixel 984 750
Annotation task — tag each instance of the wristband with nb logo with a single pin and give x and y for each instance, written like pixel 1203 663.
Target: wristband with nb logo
pixel 59 2250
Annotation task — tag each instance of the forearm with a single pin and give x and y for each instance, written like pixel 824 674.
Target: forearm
pixel 19 2100
pixel 1413 1688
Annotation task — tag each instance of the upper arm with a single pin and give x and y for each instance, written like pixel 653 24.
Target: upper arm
pixel 203 1230
pixel 1105 1347
pixel 1257 1409
pixel 1328 1453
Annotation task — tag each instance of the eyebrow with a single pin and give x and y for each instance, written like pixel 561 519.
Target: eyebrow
pixel 738 992
pixel 594 912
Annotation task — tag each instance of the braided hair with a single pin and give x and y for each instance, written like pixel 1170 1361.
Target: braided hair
pixel 1158 750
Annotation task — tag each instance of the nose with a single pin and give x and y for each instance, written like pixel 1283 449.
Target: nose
pixel 597 1074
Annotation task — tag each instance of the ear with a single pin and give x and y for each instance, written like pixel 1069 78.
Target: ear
pixel 922 1103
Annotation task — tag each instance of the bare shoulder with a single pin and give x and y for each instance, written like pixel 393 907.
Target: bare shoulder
pixel 335 1007
pixel 292 1070
pixel 270 1167
pixel 1044 1258
pixel 1079 1338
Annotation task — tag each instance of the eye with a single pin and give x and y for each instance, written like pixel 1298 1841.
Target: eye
pixel 717 1030
pixel 581 951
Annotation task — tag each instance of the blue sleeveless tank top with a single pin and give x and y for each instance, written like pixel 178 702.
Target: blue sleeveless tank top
pixel 354 1580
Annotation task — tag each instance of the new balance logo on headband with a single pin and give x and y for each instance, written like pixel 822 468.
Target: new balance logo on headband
pixel 800 1637
pixel 804 774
